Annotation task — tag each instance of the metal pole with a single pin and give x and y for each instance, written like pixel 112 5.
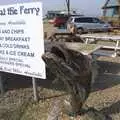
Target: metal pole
pixel 68 7
pixel 35 89
pixel 1 85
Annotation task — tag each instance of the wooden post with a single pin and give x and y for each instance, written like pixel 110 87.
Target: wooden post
pixel 1 85
pixel 35 89
pixel 87 40
pixel 116 47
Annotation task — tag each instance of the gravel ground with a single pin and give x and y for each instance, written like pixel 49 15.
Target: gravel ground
pixel 105 96
pixel 17 103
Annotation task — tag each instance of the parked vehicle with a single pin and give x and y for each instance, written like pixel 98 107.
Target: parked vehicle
pixel 59 18
pixel 60 21
pixel 87 24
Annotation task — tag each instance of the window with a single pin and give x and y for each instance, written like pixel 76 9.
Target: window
pixel 84 20
pixel 115 12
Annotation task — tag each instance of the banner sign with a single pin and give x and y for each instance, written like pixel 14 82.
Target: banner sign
pixel 21 39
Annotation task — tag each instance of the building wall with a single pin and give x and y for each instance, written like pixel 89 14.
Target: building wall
pixel 112 12
pixel 111 8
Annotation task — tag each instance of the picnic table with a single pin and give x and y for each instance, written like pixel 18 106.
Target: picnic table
pixel 104 50
pixel 110 51
pixel 86 49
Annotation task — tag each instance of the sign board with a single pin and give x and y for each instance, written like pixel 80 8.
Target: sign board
pixel 21 39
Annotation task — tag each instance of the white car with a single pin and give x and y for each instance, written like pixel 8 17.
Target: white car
pixel 88 24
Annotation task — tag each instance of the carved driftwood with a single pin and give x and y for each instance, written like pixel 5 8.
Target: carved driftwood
pixel 74 69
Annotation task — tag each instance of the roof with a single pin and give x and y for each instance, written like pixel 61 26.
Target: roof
pixel 111 3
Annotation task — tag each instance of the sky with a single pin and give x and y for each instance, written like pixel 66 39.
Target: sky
pixel 86 7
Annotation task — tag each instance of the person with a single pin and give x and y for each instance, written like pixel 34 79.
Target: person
pixel 72 28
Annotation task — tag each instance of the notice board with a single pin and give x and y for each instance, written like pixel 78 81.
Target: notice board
pixel 21 39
